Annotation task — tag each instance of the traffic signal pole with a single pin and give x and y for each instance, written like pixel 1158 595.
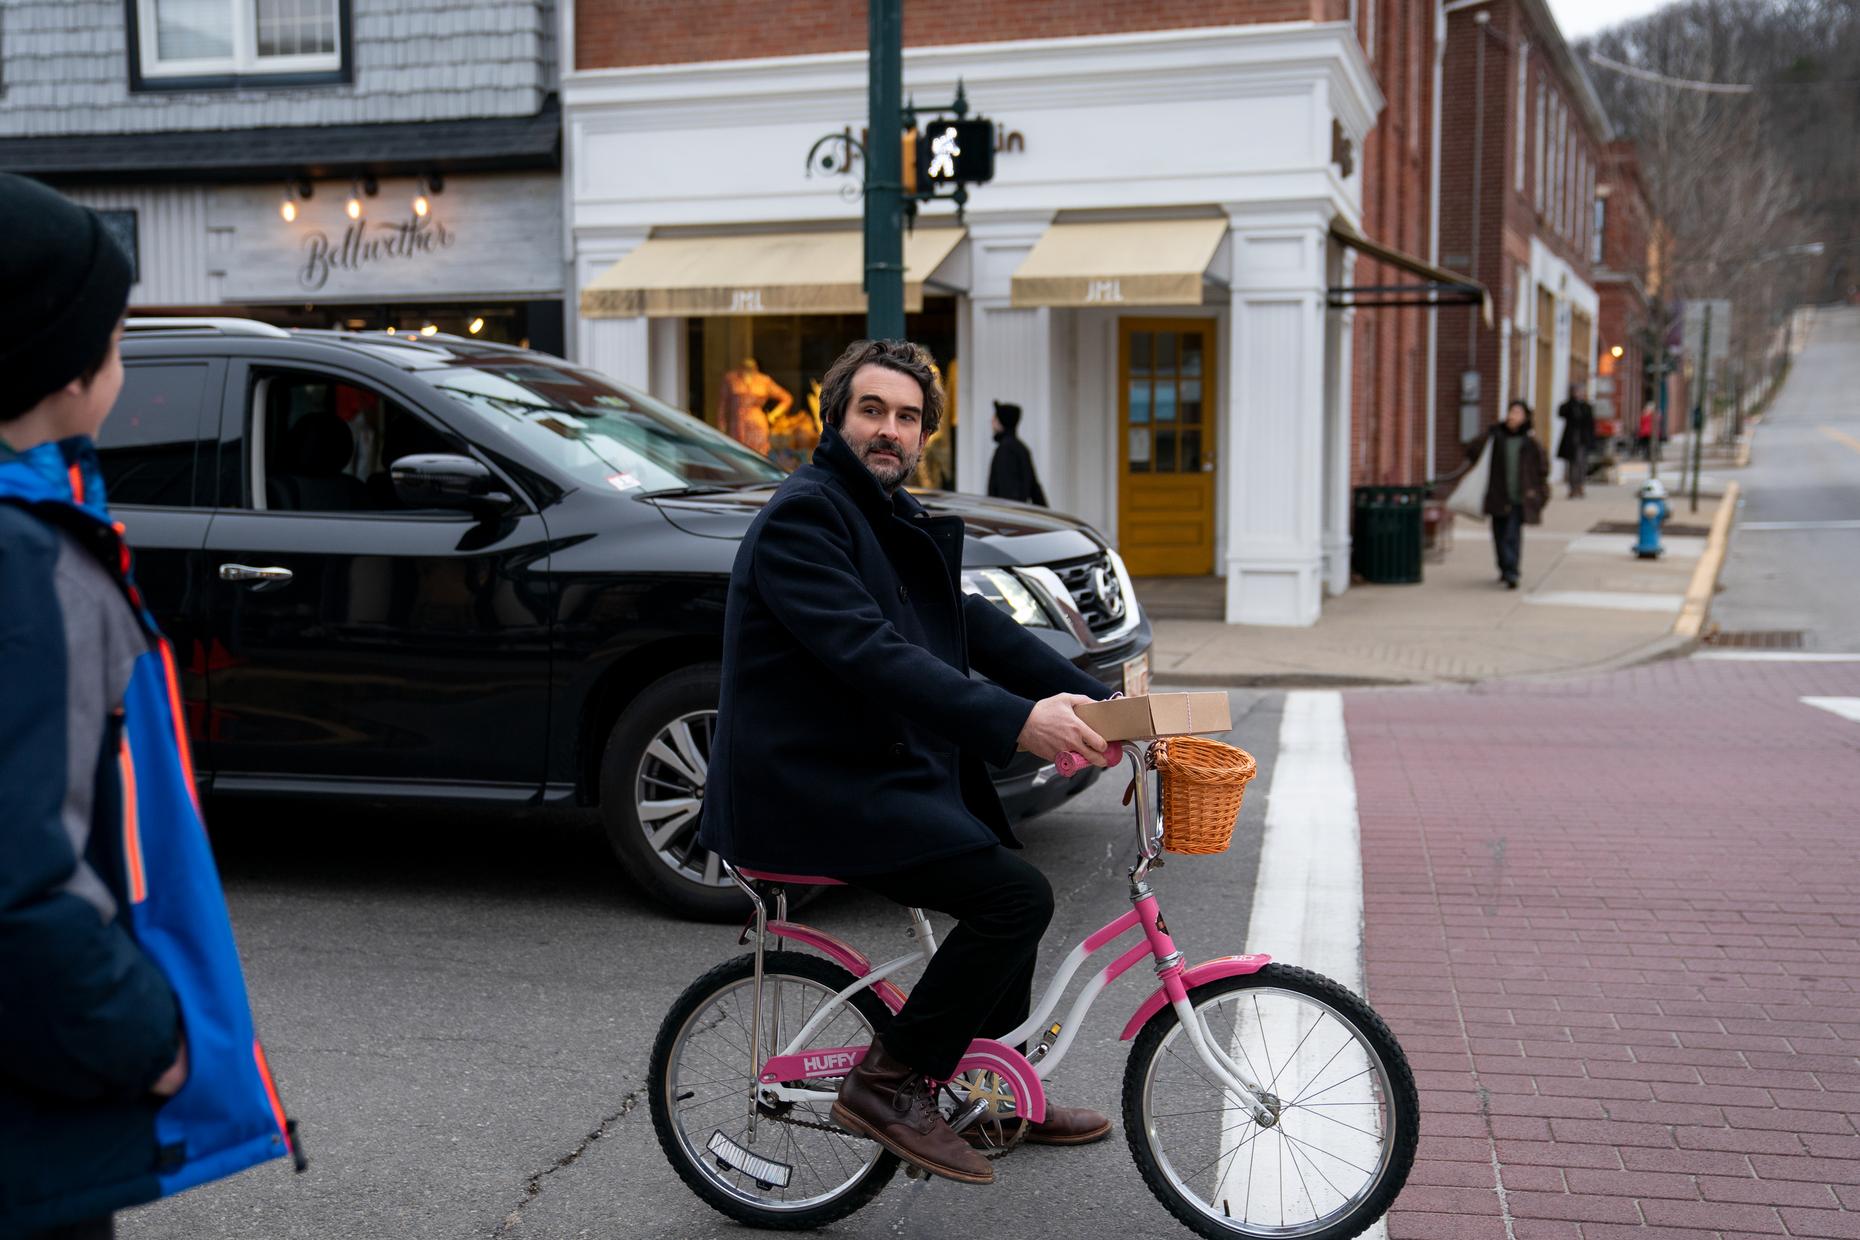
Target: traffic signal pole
pixel 884 163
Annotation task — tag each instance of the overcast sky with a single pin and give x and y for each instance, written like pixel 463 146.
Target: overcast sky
pixel 1584 17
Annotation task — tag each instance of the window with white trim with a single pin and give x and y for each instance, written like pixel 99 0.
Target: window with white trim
pixel 1537 190
pixel 1524 104
pixel 237 38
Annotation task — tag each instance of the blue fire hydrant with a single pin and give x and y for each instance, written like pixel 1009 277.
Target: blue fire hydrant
pixel 1653 512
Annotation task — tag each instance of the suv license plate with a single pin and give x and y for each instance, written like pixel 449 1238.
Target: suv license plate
pixel 1137 676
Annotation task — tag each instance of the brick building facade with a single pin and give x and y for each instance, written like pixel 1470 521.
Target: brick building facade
pixel 1627 278
pixel 1523 136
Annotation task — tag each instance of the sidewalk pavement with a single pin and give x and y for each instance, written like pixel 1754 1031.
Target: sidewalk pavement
pixel 1586 604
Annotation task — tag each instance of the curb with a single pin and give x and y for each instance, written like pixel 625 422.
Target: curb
pixel 1705 577
pixel 1281 680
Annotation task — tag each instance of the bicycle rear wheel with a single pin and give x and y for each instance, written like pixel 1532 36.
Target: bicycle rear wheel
pixel 1345 1114
pixel 800 1170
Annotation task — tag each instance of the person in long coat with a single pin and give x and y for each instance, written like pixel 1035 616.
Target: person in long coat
pixel 1010 473
pixel 1517 487
pixel 1578 441
pixel 851 740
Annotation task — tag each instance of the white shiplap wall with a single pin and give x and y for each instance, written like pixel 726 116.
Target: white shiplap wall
pixel 172 241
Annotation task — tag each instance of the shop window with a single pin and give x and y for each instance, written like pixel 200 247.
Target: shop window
pixel 324 445
pixel 150 444
pixel 757 378
pixel 196 44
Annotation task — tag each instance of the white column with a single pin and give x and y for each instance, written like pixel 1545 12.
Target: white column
pixel 1009 350
pixel 1339 341
pixel 618 348
pixel 1274 424
pixel 671 372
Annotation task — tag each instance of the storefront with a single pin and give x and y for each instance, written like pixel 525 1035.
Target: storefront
pixel 475 254
pixel 1148 276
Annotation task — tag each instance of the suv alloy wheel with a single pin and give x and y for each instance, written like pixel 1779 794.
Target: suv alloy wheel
pixel 652 794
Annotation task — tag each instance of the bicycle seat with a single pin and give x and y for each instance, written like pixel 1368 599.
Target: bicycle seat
pixel 792 880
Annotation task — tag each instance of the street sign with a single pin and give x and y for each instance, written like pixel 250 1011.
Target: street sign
pixel 956 153
pixel 1720 328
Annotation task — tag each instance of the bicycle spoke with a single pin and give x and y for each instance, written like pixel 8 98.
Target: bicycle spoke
pixel 1322 1017
pixel 1308 1147
pixel 1319 1170
pixel 1299 1101
pixel 1375 1136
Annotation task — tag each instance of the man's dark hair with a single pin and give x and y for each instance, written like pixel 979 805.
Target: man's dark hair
pixel 1518 402
pixel 12 410
pixel 900 355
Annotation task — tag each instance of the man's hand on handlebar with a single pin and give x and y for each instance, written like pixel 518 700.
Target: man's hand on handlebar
pixel 1054 727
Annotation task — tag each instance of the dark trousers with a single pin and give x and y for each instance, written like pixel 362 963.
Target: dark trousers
pixel 1578 469
pixel 980 982
pixel 92 1229
pixel 1508 541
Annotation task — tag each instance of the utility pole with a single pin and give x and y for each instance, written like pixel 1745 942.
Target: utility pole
pixel 1659 377
pixel 884 183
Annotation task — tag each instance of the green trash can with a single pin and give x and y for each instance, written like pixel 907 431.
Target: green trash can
pixel 1385 534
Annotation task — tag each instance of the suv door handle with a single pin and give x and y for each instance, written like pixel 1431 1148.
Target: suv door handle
pixel 257 578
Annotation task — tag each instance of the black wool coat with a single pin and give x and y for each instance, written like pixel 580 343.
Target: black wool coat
pixel 1533 475
pixel 1010 473
pixel 1578 428
pixel 851 739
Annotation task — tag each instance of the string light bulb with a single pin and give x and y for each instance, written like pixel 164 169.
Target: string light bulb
pixel 288 209
pixel 353 207
pixel 1615 352
pixel 429 330
pixel 476 326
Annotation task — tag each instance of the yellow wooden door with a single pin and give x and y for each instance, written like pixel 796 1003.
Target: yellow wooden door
pixel 1167 411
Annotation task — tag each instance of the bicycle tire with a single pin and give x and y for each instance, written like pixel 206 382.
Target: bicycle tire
pixel 705 993
pixel 1370 1030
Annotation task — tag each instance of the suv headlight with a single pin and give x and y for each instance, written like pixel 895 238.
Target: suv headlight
pixel 1007 591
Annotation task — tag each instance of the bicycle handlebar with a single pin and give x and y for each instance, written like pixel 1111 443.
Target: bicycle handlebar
pixel 1071 762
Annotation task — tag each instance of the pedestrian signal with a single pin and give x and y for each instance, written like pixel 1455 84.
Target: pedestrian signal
pixel 955 152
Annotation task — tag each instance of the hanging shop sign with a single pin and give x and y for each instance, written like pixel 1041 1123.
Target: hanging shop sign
pixel 478 235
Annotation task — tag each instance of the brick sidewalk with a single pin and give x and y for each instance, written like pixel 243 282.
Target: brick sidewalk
pixel 1616 924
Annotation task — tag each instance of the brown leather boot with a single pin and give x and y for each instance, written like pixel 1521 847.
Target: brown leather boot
pixel 1062 1126
pixel 893 1105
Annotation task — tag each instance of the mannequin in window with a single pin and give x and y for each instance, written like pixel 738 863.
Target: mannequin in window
pixel 744 407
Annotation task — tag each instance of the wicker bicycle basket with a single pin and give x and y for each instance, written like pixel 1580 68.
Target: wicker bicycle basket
pixel 1203 782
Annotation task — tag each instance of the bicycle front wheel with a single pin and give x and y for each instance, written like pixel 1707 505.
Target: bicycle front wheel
pixel 1344 1116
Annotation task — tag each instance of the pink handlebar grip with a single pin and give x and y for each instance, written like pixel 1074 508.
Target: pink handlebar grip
pixel 1071 762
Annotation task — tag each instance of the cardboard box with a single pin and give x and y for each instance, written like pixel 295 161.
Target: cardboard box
pixel 1158 714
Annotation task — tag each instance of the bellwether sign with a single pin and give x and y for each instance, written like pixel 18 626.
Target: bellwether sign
pixel 482 236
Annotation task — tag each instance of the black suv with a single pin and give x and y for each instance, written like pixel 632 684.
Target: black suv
pixel 398 566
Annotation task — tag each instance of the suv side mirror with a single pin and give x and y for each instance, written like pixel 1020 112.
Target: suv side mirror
pixel 447 480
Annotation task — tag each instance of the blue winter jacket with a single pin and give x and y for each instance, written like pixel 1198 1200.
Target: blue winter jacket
pixel 113 931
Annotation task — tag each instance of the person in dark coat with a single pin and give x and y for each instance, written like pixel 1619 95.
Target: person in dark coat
pixel 851 740
pixel 1517 487
pixel 1578 441
pixel 1010 474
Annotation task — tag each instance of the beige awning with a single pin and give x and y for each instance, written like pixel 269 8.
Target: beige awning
pixel 757 273
pixel 1440 287
pixel 1127 263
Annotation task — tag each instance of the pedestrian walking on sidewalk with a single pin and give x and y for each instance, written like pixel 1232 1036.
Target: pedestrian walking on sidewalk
pixel 1578 441
pixel 1010 474
pixel 119 979
pixel 1517 487
pixel 1643 437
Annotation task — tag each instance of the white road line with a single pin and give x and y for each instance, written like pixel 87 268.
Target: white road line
pixel 1308 895
pixel 1776 656
pixel 1846 708
pixel 1799 525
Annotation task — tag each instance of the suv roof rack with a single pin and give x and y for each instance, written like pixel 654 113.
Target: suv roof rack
pixel 222 326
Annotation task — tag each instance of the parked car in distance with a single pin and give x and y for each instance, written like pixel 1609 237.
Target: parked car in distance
pixel 429 569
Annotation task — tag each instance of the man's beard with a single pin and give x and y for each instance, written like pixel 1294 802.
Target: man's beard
pixel 888 476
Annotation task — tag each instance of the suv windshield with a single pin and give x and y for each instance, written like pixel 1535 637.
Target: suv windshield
pixel 599 432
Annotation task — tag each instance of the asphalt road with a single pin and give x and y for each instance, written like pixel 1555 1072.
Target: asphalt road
pixel 459 1007
pixel 1795 554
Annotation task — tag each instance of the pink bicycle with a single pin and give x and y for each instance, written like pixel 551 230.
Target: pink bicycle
pixel 1259 1099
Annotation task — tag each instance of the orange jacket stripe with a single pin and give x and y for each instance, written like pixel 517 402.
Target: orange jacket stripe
pixel 180 721
pixel 271 1090
pixel 132 827
pixel 76 476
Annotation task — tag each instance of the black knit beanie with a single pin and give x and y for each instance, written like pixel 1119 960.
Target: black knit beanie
pixel 64 282
pixel 1009 415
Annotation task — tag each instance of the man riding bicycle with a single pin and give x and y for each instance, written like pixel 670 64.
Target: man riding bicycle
pixel 851 740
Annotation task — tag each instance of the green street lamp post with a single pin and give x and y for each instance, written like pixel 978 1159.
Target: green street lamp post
pixel 884 182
